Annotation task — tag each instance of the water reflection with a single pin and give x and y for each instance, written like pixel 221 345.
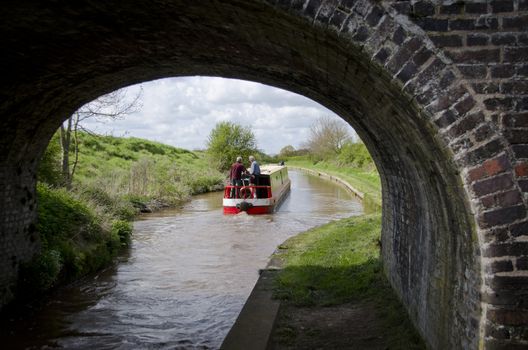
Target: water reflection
pixel 185 278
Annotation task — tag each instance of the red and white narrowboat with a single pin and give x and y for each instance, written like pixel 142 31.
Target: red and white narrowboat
pixel 261 197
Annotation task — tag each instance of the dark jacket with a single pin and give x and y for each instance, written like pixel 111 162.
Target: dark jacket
pixel 236 171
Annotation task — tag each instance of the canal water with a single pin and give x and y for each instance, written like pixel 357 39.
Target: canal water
pixel 184 280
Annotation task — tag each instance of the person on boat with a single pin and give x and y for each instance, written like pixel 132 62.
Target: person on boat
pixel 254 170
pixel 235 175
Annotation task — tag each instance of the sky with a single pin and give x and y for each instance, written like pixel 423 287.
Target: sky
pixel 182 112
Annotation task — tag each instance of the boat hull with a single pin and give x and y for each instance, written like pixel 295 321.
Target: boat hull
pixel 256 206
pixel 250 211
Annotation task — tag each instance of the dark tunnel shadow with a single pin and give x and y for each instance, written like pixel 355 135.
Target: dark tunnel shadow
pixel 352 307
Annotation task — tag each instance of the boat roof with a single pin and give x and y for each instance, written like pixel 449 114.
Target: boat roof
pixel 269 169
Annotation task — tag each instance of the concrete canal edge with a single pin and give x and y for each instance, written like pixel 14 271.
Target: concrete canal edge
pixel 255 323
pixel 337 179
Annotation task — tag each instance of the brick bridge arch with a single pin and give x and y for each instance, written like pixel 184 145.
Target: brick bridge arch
pixel 437 92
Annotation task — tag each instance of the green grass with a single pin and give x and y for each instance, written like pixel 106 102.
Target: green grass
pixel 104 153
pixel 143 169
pixel 367 182
pixel 340 263
pixel 123 175
pixel 321 263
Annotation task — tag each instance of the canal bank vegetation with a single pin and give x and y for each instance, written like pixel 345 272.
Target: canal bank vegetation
pixel 85 220
pixel 337 264
pixel 77 238
pixel 330 149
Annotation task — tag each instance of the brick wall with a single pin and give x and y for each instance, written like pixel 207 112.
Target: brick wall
pixel 487 42
pixel 18 235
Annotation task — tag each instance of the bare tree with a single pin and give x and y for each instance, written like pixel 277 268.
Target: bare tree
pixel 113 106
pixel 327 137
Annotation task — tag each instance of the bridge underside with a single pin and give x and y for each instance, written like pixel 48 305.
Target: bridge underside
pixel 426 127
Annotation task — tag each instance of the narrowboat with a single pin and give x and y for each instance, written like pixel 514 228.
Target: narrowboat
pixel 261 197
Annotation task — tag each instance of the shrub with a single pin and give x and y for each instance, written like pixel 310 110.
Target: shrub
pixel 123 230
pixel 203 183
pixel 355 155
pixel 76 239
pixel 125 210
pixel 97 195
pixel 62 217
pixel 107 203
pixel 93 144
pixel 41 273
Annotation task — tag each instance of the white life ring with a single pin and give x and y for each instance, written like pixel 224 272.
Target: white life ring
pixel 245 192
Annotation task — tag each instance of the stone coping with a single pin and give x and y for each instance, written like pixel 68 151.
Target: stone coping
pixel 255 323
pixel 348 186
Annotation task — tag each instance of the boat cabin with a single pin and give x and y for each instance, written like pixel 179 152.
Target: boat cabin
pixel 259 195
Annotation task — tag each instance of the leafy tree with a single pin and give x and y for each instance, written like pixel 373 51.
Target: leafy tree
pixel 227 141
pixel 327 137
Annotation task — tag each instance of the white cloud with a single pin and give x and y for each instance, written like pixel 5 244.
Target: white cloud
pixel 182 112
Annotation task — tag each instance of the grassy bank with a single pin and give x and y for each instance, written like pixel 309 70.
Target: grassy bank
pixel 77 238
pixel 366 181
pixel 83 228
pixel 339 263
pixel 142 170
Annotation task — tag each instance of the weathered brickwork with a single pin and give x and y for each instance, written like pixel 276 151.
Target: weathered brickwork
pixel 19 238
pixel 437 90
pixel 487 42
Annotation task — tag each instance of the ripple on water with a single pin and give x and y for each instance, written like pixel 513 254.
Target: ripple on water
pixel 185 278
